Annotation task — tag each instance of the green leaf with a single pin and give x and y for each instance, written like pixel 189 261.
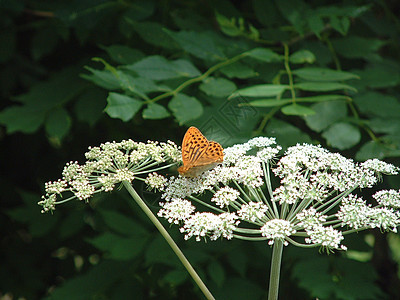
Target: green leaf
pixel 316 24
pixel 323 86
pixel 302 57
pixel 123 54
pixel 102 78
pixel 228 26
pixel 158 68
pixel 185 108
pixel 283 101
pixel 155 111
pixel 357 47
pixel 26 119
pixel 216 272
pixel 342 135
pixel 199 44
pixel 263 54
pixel 341 25
pixel 297 110
pixel 90 105
pixel 238 70
pixel 326 113
pixel 217 87
pixel 371 149
pixel 261 90
pixel 378 104
pixel 379 76
pixel 285 133
pixel 118 247
pixel 58 123
pixel 122 107
pixel 322 74
pixel 154 34
pixel 176 277
pixel 122 224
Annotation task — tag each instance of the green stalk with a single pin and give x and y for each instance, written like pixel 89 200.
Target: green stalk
pixel 275 270
pixel 169 240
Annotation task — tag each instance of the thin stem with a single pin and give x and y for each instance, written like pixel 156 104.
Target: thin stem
pixel 169 240
pixel 275 270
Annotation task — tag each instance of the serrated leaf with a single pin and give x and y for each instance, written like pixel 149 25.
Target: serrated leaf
pixel 322 74
pixel 122 107
pixel 199 44
pixel 261 90
pixel 159 68
pixel 185 108
pixel 323 86
pixel 342 135
pixel 263 54
pixel 302 57
pixel 297 110
pixel 217 87
pixel 326 113
pixel 58 123
pixel 155 111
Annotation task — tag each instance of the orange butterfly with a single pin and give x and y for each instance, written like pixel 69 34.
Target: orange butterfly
pixel 199 154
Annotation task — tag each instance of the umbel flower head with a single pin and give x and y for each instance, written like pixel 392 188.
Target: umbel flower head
pixel 106 167
pixel 314 205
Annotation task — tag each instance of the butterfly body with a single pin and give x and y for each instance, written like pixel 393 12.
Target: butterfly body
pixel 199 154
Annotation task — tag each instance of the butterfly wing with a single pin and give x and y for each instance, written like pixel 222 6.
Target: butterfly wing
pixel 198 154
pixel 213 154
pixel 193 146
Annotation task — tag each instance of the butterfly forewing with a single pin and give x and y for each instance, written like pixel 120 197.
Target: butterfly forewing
pixel 198 154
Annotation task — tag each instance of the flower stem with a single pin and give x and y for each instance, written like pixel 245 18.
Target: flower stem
pixel 169 240
pixel 275 270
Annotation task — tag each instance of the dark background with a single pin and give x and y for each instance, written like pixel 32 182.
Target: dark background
pixel 56 101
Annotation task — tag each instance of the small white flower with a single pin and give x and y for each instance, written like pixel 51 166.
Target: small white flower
pixel 261 142
pixel 200 225
pixel 252 211
pixel 326 236
pixel 225 196
pixel 388 198
pixel 176 210
pixel 156 181
pixel 380 166
pixel 277 229
pixel 56 187
pixel 48 203
pixel 310 218
pixel 354 212
pixel 387 219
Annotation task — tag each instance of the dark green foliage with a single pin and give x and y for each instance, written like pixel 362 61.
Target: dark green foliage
pixel 78 73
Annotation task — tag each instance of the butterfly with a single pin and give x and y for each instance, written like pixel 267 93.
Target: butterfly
pixel 199 154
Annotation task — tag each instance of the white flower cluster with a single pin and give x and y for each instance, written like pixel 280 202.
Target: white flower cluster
pixel 313 182
pixel 106 166
pixel 205 224
pixel 277 229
